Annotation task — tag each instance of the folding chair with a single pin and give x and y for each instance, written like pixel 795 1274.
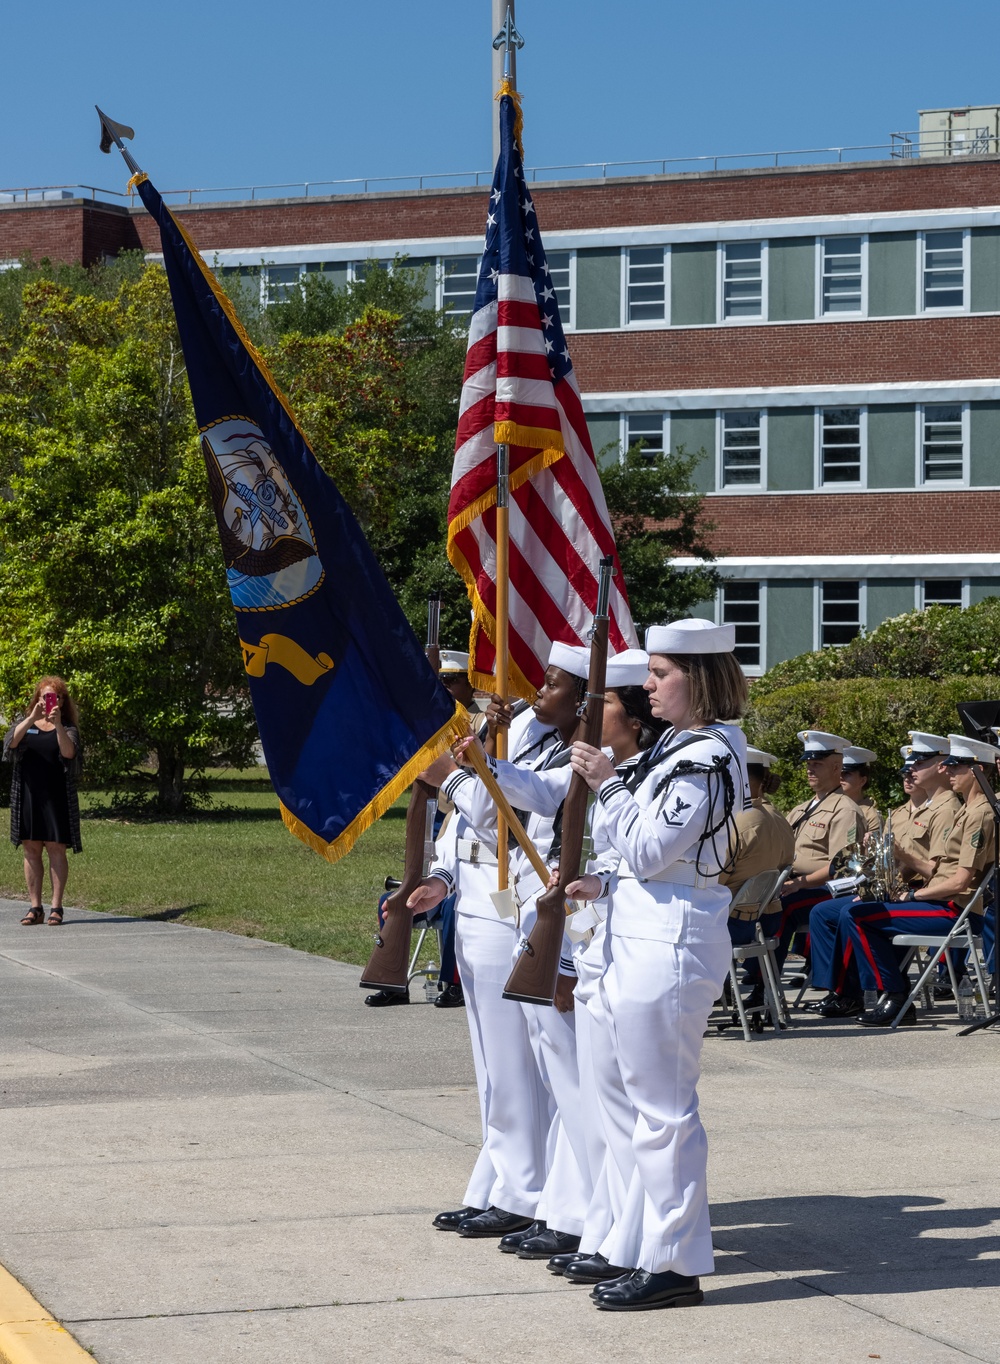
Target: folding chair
pixel 938 945
pixel 759 890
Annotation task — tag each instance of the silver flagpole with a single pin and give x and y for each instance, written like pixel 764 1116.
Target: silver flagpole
pixel 505 46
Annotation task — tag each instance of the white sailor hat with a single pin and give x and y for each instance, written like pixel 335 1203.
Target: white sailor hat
pixel 572 658
pixel 756 757
pixel 962 749
pixel 818 744
pixel 691 637
pixel 858 757
pixel 630 668
pixel 926 746
pixel 453 661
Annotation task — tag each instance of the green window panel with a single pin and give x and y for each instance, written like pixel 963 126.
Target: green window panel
pixel 692 284
pixel 789 618
pixel 984 268
pixel 892 274
pixel 891 446
pixel 598 288
pixel 695 431
pixel 888 597
pixel 605 431
pixel 424 269
pixel 981 588
pixel 790 441
pixel 984 444
pixel 791 273
pixel 704 610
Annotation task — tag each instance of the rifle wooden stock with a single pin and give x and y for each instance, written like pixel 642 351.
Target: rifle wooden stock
pixel 389 964
pixel 533 979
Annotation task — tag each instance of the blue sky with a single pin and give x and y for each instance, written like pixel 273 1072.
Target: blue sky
pixel 225 94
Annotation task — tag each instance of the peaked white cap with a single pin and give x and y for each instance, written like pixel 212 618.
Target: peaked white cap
pixel 691 637
pixel 927 745
pixel 757 757
pixel 816 741
pixel 630 668
pixel 855 757
pixel 453 661
pixel 572 658
pixel 961 746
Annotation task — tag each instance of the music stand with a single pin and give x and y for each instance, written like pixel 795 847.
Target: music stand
pixel 993 1018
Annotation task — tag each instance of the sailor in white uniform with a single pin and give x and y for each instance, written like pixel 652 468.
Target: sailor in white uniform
pixel 668 951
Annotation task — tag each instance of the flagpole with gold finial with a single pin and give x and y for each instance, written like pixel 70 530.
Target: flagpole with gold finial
pixel 509 40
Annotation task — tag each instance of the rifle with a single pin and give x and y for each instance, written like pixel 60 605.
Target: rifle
pixel 533 979
pixel 389 965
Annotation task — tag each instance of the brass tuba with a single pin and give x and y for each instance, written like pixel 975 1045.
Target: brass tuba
pixel 869 869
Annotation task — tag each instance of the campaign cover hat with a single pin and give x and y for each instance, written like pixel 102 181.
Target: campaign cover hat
pixel 927 745
pixel 858 757
pixel 963 749
pixel 691 637
pixel 454 661
pixel 816 743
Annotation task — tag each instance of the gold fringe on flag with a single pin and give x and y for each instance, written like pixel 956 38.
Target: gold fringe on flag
pixel 507 89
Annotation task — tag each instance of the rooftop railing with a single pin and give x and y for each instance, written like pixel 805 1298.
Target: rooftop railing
pixel 901 146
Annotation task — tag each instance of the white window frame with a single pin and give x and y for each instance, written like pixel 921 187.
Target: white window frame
pixel 439 272
pixel 720 285
pixel 569 317
pixel 820 315
pixel 932 483
pixel 818 610
pixel 738 488
pixel 818 482
pixel 920 592
pixel 951 310
pixel 623 429
pixel 761 667
pixel 647 324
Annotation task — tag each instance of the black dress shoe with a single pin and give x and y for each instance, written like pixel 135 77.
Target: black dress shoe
pixel 843 1006
pixel 643 1291
pixel 886 1010
pixel 558 1263
pixel 493 1222
pixel 755 999
pixel 816 1006
pixel 381 998
pixel 599 1288
pixel 546 1244
pixel 943 992
pixel 451 997
pixel 593 1269
pixel 448 1221
pixel 514 1239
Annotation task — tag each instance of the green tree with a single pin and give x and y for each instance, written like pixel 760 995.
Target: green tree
pixel 657 515
pixel 111 572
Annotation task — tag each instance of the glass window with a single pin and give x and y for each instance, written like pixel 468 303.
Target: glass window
pixel 741 607
pixel 742 280
pixel 645 429
pixel 840 613
pixel 741 448
pixel 559 274
pixel 461 275
pixel 944 270
pixel 942 592
pixel 942 443
pixel 647 287
pixel 362 268
pixel 840 445
pixel 281 282
pixel 842 275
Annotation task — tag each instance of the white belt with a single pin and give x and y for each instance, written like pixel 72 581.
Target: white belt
pixel 477 853
pixel 679 874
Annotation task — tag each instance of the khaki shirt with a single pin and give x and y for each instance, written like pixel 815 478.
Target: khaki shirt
pixel 933 823
pixel 969 847
pixel 870 817
pixel 901 823
pixel 764 842
pixel 828 827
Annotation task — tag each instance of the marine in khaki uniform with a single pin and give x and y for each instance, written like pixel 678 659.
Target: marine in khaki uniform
pixel 967 858
pixel 854 778
pixel 931 825
pixel 763 842
pixel 901 819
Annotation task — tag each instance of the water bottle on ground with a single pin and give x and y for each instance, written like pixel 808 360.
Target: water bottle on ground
pixel 966 1000
pixel 431 985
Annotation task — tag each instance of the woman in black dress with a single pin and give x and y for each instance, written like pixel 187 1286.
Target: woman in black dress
pixel 44 747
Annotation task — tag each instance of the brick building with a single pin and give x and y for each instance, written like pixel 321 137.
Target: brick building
pixel 828 335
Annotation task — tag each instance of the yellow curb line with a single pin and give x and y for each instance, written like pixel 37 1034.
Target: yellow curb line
pixel 29 1334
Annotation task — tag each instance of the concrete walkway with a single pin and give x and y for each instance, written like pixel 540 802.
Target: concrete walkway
pixel 212 1152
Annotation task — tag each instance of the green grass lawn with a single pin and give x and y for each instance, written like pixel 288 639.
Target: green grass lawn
pixel 235 868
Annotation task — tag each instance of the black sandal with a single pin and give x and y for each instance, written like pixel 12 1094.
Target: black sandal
pixel 55 915
pixel 35 915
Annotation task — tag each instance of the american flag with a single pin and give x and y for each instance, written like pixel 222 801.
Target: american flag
pixel 519 388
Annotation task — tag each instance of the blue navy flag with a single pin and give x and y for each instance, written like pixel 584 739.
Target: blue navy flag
pixel 348 708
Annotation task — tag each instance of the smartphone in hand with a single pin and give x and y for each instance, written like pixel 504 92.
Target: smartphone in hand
pixel 51 703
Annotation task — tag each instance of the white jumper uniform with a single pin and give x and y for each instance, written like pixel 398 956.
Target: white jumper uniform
pixel 667 953
pixel 516 1110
